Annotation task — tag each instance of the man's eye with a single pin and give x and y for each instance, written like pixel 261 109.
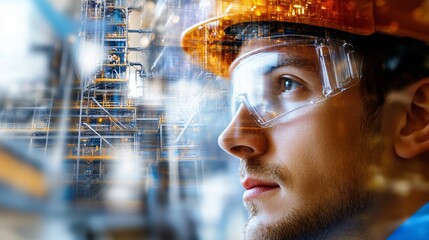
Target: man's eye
pixel 287 84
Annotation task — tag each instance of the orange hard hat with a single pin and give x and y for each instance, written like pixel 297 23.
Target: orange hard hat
pixel 209 45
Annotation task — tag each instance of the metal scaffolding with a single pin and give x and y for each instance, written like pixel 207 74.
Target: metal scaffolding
pixel 119 114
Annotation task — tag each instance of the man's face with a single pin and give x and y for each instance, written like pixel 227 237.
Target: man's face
pixel 308 174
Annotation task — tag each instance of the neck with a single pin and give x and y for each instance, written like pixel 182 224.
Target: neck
pixel 394 210
pixel 383 219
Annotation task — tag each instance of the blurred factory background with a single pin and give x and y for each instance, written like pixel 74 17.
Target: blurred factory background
pixel 107 131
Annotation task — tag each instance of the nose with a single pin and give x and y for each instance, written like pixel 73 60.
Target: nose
pixel 243 137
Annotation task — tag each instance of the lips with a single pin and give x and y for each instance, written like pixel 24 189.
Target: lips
pixel 256 188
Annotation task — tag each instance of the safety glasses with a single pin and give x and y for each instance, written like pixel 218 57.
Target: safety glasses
pixel 274 77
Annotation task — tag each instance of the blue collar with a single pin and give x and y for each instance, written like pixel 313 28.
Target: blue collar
pixel 416 227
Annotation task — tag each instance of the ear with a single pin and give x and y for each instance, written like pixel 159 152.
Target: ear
pixel 412 130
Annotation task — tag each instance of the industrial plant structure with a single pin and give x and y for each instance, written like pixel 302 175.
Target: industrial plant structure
pixel 120 133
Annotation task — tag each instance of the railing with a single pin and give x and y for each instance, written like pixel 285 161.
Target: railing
pixel 23 126
pixel 88 151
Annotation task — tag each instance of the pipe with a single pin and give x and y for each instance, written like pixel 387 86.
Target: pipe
pixel 141 31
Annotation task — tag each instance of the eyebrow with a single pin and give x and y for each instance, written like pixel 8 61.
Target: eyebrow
pixel 285 60
pixel 295 62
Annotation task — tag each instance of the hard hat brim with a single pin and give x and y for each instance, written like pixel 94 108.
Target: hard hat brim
pixel 209 46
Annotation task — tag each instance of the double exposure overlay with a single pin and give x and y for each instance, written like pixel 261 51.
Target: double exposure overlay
pixel 214 119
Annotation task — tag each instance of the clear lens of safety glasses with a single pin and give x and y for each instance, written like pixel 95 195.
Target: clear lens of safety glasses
pixel 273 77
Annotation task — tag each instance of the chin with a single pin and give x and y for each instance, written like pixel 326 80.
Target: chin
pixel 262 225
pixel 293 224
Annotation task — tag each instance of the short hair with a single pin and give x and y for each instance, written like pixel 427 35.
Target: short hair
pixel 389 63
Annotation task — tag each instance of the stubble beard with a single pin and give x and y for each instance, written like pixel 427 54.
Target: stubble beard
pixel 324 219
pixel 319 223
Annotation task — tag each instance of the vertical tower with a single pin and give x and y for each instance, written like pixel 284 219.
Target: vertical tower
pixel 103 117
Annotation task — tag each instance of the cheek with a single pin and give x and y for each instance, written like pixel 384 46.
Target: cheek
pixel 320 149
